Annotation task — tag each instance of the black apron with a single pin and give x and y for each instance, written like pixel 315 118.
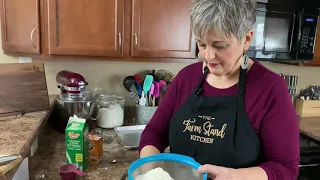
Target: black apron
pixel 215 130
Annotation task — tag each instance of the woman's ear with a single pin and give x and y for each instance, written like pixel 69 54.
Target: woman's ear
pixel 247 39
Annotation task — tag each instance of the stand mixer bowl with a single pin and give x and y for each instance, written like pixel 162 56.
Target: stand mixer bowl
pixel 70 105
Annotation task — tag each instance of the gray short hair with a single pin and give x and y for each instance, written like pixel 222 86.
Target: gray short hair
pixel 227 17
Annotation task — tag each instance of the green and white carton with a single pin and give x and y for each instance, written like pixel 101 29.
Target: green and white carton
pixel 77 143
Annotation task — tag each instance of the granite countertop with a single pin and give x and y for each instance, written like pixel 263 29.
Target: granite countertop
pixel 311 127
pixel 17 136
pixel 51 155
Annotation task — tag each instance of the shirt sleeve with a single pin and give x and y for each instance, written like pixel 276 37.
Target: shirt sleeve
pixel 279 134
pixel 156 133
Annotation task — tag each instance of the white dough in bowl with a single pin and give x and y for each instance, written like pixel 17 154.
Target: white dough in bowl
pixel 155 174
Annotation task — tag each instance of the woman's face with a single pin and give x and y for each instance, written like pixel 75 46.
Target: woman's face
pixel 222 55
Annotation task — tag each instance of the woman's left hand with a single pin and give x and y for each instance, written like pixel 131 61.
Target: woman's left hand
pixel 220 173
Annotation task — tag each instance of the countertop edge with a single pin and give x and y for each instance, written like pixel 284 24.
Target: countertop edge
pixel 304 126
pixel 24 152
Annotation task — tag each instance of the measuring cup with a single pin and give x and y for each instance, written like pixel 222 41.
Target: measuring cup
pixel 70 172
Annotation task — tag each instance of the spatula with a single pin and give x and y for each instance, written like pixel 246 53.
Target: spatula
pixel 156 93
pixel 138 78
pixel 138 87
pixel 147 84
pixel 151 94
pixel 143 99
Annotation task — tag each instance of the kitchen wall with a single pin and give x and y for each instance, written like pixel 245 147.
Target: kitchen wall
pixel 109 74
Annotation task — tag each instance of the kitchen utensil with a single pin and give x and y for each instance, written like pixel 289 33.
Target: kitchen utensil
pixel 23 87
pixel 6 159
pixel 143 99
pixel 147 85
pixel 156 93
pixel 291 82
pixel 153 74
pixel 179 167
pixel 151 94
pixel 162 83
pixel 130 135
pixel 134 94
pixel 128 82
pixel 11 115
pixel 310 93
pixel 138 87
pixel 144 114
pixel 70 172
pixel 138 78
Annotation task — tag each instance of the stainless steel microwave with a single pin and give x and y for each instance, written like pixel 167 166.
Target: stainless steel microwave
pixel 287 33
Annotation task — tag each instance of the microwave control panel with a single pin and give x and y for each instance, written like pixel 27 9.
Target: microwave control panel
pixel 308 34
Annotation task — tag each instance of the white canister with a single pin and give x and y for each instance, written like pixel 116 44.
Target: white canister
pixel 111 111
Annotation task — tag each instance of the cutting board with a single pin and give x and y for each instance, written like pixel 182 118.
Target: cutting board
pixel 23 87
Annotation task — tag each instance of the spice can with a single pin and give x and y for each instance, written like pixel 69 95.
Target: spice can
pixel 95 148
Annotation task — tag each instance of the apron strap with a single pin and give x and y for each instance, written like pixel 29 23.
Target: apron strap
pixel 198 90
pixel 241 86
pixel 242 82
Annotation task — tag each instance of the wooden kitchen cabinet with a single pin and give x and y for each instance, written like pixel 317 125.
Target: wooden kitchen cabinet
pixel 86 27
pixel 162 28
pixel 120 30
pixel 20 25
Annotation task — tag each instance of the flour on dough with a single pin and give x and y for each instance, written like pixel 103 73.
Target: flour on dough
pixel 155 174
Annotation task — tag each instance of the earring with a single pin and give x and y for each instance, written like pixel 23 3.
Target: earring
pixel 244 61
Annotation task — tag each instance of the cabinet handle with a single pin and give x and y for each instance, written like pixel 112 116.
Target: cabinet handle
pixel 120 40
pixel 136 38
pixel 31 37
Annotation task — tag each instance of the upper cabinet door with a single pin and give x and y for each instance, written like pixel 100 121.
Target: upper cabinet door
pixel 86 27
pixel 20 25
pixel 162 28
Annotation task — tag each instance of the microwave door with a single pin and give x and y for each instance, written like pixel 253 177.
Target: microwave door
pixel 278 31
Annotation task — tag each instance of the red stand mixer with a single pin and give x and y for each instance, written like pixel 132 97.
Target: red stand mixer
pixel 73 100
pixel 70 82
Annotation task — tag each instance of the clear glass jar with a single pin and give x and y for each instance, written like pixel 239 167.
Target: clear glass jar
pixel 111 111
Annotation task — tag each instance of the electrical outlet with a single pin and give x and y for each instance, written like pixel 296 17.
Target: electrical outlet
pixel 25 60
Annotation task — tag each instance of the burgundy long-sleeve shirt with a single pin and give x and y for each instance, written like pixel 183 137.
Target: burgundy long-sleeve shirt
pixel 268 106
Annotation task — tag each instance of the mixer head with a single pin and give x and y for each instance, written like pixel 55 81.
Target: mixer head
pixel 70 82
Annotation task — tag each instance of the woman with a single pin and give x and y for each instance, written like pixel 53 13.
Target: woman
pixel 229 112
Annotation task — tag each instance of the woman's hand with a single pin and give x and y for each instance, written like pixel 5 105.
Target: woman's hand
pixel 220 173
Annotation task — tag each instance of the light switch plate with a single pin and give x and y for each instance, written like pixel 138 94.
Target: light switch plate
pixel 25 60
